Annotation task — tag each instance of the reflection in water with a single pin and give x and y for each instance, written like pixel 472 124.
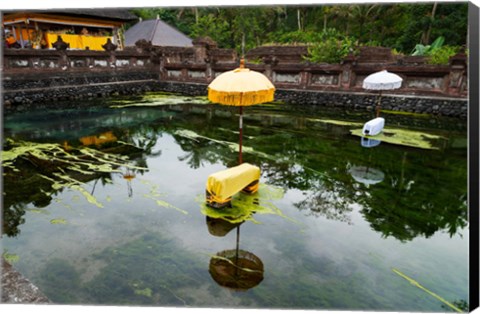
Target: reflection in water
pixel 303 158
pixel 35 172
pixel 220 227
pixel 369 142
pixel 422 196
pixel 98 140
pixel 235 269
pixel 366 175
pixel 128 174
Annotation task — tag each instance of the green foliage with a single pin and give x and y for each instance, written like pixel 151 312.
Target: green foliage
pixel 332 48
pixel 303 37
pixel 437 53
pixel 400 26
pixel 424 50
pixel 213 27
pixel 442 55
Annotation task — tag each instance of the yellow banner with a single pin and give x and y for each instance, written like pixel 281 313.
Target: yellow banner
pixel 79 41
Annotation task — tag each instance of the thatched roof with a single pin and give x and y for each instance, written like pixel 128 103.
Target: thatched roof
pixel 158 32
pixel 111 14
pixel 120 15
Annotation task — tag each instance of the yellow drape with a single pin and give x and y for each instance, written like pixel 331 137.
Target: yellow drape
pixel 79 41
pixel 224 184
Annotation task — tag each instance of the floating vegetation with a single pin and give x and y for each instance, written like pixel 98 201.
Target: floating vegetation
pixel 147 292
pixel 244 206
pixel 62 167
pixel 433 294
pixel 393 136
pixel 10 258
pixel 39 211
pixel 160 99
pixel 403 137
pixel 231 145
pixel 336 122
pixel 58 221
pixel 154 195
pixel 405 113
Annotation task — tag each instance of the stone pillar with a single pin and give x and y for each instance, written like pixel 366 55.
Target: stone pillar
pixel 456 77
pixel 62 46
pixel 346 76
pixel 269 62
pixel 208 70
pixel 305 78
pixel 162 70
pixel 202 47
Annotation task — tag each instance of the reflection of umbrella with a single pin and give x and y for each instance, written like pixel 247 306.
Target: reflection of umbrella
pixel 220 227
pixel 366 175
pixel 129 175
pixel 381 81
pixel 369 142
pixel 241 87
pixel 236 269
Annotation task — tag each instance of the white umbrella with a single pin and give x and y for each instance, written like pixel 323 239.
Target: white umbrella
pixel 381 81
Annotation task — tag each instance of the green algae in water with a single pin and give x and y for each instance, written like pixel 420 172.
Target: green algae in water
pixel 154 195
pixel 336 122
pixel 234 147
pixel 88 162
pixel 10 258
pixel 39 211
pixel 147 292
pixel 405 113
pixel 244 206
pixel 58 221
pixel 162 203
pixel 150 269
pixel 393 136
pixel 403 137
pixel 160 99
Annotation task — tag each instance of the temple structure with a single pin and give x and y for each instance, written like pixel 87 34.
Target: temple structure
pixel 80 28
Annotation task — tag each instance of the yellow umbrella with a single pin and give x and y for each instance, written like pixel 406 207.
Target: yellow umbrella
pixel 241 87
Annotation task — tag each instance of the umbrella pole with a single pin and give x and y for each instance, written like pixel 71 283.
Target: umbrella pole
pixel 378 105
pixel 237 251
pixel 241 135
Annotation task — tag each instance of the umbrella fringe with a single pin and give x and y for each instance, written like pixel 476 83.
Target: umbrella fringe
pixel 240 98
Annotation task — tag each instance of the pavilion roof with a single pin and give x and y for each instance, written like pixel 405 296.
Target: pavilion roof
pixel 158 32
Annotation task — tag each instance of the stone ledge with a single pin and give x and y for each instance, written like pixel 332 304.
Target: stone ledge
pixel 17 289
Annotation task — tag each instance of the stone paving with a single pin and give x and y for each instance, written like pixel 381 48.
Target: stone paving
pixel 16 289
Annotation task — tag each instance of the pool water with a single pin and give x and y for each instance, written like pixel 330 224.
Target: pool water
pixel 336 225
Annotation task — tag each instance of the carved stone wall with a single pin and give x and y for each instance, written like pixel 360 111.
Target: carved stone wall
pixel 43 75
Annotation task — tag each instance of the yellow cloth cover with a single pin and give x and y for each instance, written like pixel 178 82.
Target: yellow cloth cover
pixel 79 41
pixel 224 184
